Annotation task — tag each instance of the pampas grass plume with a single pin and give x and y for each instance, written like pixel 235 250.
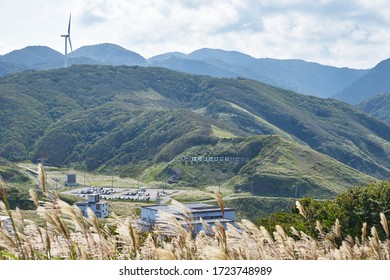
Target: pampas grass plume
pixel 384 224
pixel 42 178
pixel 300 209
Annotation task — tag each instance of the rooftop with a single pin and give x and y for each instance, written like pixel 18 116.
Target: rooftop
pixel 86 202
pixel 193 207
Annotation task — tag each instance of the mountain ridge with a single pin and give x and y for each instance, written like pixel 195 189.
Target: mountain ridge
pixel 376 81
pixel 109 54
pixel 304 77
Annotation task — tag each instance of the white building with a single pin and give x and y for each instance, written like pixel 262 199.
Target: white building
pixel 209 213
pixel 100 208
pixel 6 224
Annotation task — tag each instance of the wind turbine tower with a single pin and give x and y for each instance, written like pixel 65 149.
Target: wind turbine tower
pixel 67 38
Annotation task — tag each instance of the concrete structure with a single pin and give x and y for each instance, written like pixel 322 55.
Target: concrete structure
pixel 6 224
pixel 71 180
pixel 100 208
pixel 208 213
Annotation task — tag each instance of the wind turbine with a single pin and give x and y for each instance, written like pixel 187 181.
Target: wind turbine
pixel 67 38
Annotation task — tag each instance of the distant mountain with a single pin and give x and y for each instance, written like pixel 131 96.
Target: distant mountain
pixel 377 106
pixel 231 57
pixel 44 58
pixel 297 75
pixel 142 121
pixel 300 76
pixel 166 56
pixel 34 57
pixel 308 77
pixel 109 54
pixel 194 66
pixel 10 67
pixel 376 81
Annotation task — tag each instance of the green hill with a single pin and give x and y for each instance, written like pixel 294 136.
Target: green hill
pixel 160 146
pixel 137 120
pixel 377 106
pixel 263 165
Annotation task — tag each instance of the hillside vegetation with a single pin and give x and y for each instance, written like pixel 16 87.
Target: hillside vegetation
pixel 377 106
pixel 137 120
pixel 18 184
pixel 353 209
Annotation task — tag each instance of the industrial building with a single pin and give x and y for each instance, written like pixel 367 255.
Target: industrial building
pixel 71 180
pixel 100 208
pixel 208 213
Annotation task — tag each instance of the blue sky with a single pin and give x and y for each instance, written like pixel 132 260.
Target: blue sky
pixel 340 33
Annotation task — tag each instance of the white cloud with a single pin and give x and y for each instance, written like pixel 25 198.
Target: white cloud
pixel 342 33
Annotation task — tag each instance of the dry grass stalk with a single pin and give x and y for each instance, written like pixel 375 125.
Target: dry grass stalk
pixel 319 229
pixel 219 200
pixel 163 254
pixel 60 240
pixel 221 236
pixel 4 205
pixel 384 224
pixel 364 232
pixel 69 235
pixel 300 209
pixel 374 243
pixel 42 177
pixel 214 253
pixel 34 197
pixel 337 229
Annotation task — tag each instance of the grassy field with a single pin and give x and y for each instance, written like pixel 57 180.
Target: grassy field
pixel 56 178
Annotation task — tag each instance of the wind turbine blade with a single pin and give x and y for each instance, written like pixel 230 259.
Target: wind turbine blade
pixel 70 18
pixel 70 44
